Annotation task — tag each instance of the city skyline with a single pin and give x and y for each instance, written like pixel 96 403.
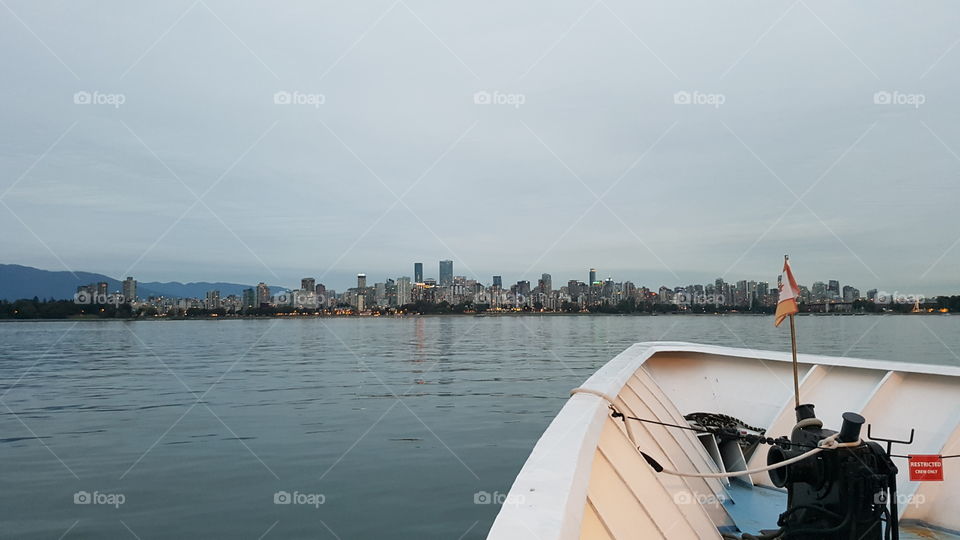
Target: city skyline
pixel 418 274
pixel 342 279
pixel 403 290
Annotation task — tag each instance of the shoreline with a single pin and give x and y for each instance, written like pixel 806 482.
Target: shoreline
pixel 418 315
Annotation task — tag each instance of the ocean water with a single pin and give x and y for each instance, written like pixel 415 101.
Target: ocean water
pixel 366 427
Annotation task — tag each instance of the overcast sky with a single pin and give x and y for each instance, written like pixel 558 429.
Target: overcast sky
pixel 584 157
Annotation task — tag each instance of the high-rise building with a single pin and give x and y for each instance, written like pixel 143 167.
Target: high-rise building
pixel 321 292
pixel 607 288
pixel 522 288
pixel 129 290
pixel 593 276
pixel 498 281
pixel 446 273
pixel 833 286
pixel 819 290
pixel 263 295
pixel 102 289
pixel 665 295
pixel 308 284
pixel 418 272
pixel 249 298
pixel 403 291
pixel 361 281
pixel 546 283
pixel 380 294
pixel 575 289
pixel 212 300
pixel 391 292
pixel 850 293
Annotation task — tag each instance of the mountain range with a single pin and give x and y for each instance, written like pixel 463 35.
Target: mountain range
pixel 17 281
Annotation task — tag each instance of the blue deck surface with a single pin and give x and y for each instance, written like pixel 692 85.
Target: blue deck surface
pixel 757 508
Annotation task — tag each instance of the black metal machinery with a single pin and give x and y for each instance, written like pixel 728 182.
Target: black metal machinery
pixel 838 493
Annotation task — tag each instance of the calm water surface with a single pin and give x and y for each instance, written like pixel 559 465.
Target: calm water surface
pixel 396 424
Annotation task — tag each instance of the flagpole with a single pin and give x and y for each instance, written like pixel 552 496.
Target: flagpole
pixel 796 377
pixel 793 346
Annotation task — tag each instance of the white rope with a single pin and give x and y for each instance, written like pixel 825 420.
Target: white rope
pixel 749 471
pixel 828 443
pixel 613 406
pixel 593 392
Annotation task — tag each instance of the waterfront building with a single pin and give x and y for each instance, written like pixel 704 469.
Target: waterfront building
pixel 403 291
pixel 818 291
pixel 249 299
pixel 308 284
pixel 418 272
pixel 129 290
pixel 379 294
pixel 522 288
pixel 833 287
pixel 361 281
pixel 323 296
pixel 212 300
pixel 263 295
pixel 546 283
pixel 850 293
pixel 665 295
pixel 446 273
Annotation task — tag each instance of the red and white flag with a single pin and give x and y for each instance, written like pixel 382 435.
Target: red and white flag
pixel 789 292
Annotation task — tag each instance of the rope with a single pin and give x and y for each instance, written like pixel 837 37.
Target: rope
pixel 829 443
pixel 592 392
pixel 613 407
pixel 617 414
pixel 736 473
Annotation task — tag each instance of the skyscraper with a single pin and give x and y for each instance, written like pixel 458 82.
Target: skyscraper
pixel 403 291
pixel 850 293
pixel 446 273
pixel 546 283
pixel 819 290
pixel 833 287
pixel 593 276
pixel 418 272
pixel 380 294
pixel 129 290
pixel 361 281
pixel 212 300
pixel 308 284
pixel 249 298
pixel 263 294
pixel 498 281
pixel 522 288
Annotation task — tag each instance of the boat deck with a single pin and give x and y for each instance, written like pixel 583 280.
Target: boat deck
pixel 585 478
pixel 756 508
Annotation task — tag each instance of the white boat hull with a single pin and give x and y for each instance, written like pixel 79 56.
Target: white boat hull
pixel 586 479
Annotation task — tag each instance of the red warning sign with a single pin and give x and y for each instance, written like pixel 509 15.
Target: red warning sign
pixel 926 468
